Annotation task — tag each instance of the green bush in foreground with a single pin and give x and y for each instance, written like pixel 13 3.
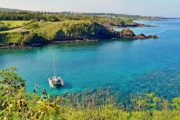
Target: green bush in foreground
pixel 15 104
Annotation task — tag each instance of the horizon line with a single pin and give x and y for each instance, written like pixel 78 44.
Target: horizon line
pixel 30 10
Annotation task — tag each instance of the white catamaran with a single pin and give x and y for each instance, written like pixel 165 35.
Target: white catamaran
pixel 55 81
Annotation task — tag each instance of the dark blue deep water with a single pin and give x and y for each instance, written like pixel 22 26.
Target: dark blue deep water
pixel 124 66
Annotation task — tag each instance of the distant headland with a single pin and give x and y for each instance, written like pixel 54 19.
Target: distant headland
pixel 21 28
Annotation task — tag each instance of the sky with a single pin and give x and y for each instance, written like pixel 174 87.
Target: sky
pixel 164 8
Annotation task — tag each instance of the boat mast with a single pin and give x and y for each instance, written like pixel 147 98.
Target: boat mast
pixel 54 64
pixel 54 70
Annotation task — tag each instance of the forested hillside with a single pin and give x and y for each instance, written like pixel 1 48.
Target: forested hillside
pixel 103 18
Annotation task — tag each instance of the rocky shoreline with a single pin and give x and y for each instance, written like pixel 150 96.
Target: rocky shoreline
pixel 130 25
pixel 129 34
pixel 135 25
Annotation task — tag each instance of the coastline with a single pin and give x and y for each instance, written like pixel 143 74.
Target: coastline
pixel 131 25
pixel 107 33
pixel 41 45
pixel 35 45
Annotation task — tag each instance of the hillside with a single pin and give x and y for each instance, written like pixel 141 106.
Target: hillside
pixel 33 33
pixel 29 33
pixel 22 28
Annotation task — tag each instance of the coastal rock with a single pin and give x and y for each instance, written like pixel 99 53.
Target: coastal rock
pixel 127 33
pixel 142 36
pixel 153 36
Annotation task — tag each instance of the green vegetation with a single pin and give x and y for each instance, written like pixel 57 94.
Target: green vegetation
pixel 70 29
pixel 43 31
pixel 15 104
pixel 19 38
pixel 111 20
pixel 20 28
pixel 14 24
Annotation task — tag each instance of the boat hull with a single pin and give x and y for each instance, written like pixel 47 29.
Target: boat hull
pixel 55 82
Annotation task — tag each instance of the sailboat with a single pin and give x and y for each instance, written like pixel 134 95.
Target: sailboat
pixel 55 81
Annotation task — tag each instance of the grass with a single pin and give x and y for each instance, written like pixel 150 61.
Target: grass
pixel 50 30
pixel 15 30
pixel 14 24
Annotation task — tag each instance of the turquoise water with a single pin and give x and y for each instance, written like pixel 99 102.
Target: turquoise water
pixel 125 66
